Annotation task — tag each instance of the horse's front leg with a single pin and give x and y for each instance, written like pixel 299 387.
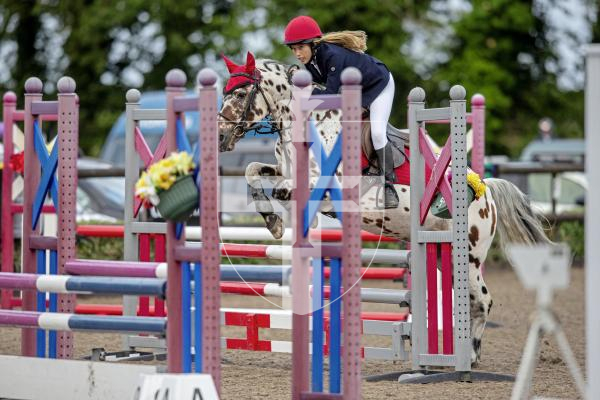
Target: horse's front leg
pixel 481 305
pixel 254 174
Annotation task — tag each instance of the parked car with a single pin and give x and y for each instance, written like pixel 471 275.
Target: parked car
pixel 555 150
pixel 569 193
pixel 99 199
pixel 256 146
pixel 569 188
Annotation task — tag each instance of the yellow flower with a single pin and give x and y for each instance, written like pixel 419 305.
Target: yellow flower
pixel 476 184
pixel 162 174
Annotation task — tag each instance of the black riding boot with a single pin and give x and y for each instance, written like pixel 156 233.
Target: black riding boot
pixel 386 166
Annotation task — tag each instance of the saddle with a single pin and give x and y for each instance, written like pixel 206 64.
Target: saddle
pixel 399 138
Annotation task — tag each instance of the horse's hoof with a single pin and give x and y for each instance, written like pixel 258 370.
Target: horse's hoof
pixel 330 214
pixel 274 225
pixel 282 194
pixel 475 358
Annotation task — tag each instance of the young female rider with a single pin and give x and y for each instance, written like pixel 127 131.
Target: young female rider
pixel 325 57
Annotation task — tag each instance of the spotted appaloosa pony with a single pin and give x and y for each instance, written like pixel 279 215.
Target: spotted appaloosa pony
pixel 262 88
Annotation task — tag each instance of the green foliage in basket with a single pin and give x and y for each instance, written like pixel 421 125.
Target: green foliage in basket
pixel 169 185
pixel 161 175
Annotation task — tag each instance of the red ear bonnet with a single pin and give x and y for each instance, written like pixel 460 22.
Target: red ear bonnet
pixel 250 63
pixel 231 66
pixel 249 73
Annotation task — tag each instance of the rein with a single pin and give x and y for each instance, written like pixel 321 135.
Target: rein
pixel 240 129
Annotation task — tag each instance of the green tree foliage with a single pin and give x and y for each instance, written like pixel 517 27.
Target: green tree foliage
pixel 501 49
pixel 595 21
pixel 383 20
pixel 19 28
pixel 110 46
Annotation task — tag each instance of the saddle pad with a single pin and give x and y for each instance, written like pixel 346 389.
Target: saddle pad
pixel 402 171
pixel 397 137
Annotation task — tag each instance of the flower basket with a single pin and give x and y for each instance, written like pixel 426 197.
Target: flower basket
pixel 439 208
pixel 476 189
pixel 179 201
pixel 169 186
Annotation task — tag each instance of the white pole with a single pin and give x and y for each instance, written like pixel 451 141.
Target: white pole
pixel 592 220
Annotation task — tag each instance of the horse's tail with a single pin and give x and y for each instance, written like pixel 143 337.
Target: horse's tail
pixel 517 221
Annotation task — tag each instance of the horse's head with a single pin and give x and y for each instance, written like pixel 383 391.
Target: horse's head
pixel 244 103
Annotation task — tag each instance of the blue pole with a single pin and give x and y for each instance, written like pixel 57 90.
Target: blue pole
pixel 183 143
pixel 117 324
pixel 317 325
pixel 335 327
pixel 186 293
pixel 117 285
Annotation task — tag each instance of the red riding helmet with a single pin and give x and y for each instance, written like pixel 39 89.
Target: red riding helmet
pixel 302 29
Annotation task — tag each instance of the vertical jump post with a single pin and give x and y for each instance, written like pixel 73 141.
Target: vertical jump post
pixel 344 383
pixel 592 220
pixel 175 81
pixel 8 111
pixel 457 343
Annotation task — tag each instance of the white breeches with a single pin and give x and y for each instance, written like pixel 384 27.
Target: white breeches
pixel 381 109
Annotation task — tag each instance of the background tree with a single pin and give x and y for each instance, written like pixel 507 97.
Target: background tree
pixel 19 28
pixel 109 47
pixel 385 21
pixel 500 48
pixel 595 20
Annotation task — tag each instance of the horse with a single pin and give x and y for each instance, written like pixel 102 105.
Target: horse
pixel 263 87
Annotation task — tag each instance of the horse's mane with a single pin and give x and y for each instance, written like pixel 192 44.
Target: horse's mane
pixel 267 63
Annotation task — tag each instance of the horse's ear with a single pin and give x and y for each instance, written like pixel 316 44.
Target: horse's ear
pixel 250 63
pixel 231 66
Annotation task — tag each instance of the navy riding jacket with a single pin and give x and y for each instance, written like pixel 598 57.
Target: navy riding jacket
pixel 332 59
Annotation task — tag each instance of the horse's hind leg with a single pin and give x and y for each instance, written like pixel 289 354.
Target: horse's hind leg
pixel 254 174
pixel 481 305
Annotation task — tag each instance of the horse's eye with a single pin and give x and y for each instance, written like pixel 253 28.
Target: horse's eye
pixel 241 94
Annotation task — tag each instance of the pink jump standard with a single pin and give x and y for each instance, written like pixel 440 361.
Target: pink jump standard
pixel 302 250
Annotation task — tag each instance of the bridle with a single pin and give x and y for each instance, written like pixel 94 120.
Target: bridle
pixel 239 129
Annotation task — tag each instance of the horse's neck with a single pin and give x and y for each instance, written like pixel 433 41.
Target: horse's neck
pixel 275 83
pixel 279 90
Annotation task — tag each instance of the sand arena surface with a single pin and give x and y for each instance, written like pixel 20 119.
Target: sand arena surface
pixel 254 375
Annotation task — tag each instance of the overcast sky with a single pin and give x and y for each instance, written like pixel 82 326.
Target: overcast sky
pixel 569 50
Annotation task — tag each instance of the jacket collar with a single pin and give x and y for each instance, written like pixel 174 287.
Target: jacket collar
pixel 314 62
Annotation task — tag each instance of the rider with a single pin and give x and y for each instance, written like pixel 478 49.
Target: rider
pixel 325 57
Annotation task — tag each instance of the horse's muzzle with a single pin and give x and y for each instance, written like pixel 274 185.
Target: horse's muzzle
pixel 225 144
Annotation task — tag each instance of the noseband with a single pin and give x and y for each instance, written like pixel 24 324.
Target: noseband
pixel 239 129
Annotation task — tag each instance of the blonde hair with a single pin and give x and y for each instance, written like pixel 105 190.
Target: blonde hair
pixel 351 40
